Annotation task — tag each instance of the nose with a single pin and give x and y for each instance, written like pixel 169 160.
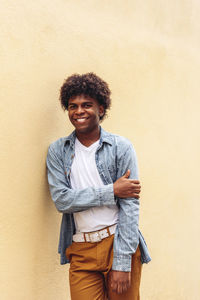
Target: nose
pixel 79 110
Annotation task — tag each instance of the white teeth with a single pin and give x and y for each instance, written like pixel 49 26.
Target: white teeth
pixel 81 120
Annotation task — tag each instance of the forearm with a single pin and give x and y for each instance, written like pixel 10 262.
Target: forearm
pixel 68 200
pixel 127 235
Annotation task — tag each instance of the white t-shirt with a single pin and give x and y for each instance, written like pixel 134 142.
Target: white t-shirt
pixel 84 174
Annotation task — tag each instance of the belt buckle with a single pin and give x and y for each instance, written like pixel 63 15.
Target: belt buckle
pixel 98 237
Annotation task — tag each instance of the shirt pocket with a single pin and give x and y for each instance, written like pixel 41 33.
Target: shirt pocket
pixel 109 171
pixel 67 170
pixel 112 172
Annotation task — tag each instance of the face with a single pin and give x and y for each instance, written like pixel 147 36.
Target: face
pixel 84 113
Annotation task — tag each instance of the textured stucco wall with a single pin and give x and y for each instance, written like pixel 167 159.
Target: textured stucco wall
pixel 149 53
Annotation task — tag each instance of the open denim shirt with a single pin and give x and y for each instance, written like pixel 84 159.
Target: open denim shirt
pixel 114 156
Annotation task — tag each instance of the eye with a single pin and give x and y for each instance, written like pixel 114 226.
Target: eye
pixel 87 105
pixel 71 107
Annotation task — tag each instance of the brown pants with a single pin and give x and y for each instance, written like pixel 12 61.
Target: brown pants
pixel 90 264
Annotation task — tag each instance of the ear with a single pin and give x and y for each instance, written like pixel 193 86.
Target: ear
pixel 101 110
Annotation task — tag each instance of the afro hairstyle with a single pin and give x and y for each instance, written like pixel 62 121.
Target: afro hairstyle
pixel 88 84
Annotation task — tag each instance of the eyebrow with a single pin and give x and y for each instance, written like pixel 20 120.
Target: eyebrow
pixel 86 102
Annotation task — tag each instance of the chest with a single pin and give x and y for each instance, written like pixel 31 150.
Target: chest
pixel 104 158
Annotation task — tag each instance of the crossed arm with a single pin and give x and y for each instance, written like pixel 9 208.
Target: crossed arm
pixel 68 200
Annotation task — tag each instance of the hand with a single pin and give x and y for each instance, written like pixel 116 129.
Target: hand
pixel 119 281
pixel 127 188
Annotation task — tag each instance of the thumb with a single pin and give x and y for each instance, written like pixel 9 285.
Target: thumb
pixel 127 174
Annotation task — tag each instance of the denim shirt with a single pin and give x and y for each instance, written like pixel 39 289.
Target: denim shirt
pixel 114 156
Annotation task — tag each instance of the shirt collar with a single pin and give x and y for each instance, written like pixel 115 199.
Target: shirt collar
pixel 105 137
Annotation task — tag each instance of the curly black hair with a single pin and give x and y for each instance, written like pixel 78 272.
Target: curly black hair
pixel 88 84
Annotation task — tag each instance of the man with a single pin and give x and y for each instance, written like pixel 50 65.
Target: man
pixel 93 179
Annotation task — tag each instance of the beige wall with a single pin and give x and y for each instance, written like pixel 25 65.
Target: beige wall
pixel 149 53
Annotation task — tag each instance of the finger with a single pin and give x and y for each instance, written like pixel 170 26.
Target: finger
pixel 137 196
pixel 135 186
pixel 137 191
pixel 127 174
pixel 135 181
pixel 128 284
pixel 129 280
pixel 114 287
pixel 111 282
pixel 132 195
pixel 119 288
pixel 122 288
pixel 125 287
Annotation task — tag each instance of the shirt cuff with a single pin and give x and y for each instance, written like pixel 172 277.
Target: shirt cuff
pixel 107 195
pixel 122 263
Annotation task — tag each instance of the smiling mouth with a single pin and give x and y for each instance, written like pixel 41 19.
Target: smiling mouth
pixel 81 120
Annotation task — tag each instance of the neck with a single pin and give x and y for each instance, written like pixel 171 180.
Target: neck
pixel 88 138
